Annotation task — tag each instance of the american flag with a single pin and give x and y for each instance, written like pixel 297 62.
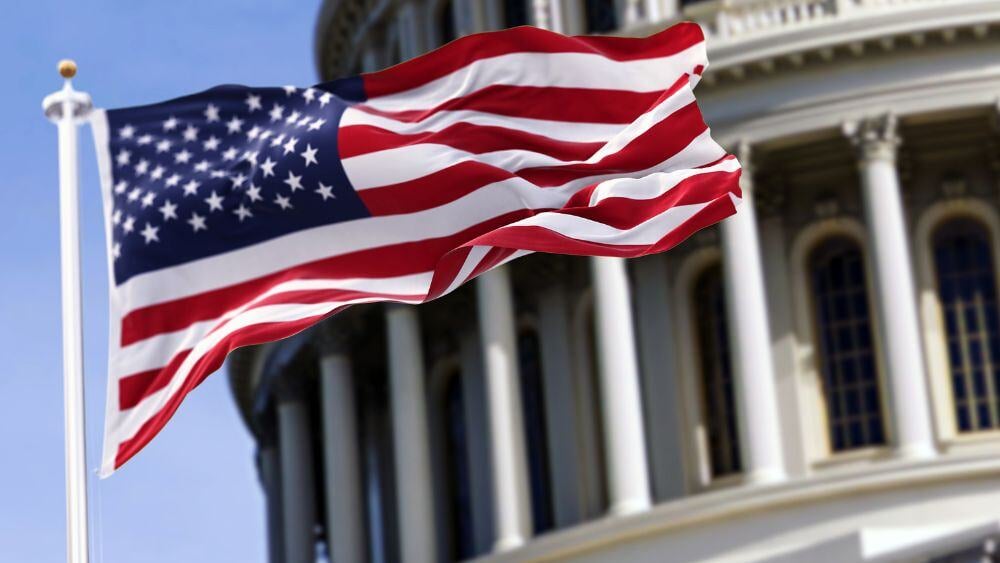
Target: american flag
pixel 241 215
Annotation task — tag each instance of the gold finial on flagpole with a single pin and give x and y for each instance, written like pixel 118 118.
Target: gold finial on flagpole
pixel 67 68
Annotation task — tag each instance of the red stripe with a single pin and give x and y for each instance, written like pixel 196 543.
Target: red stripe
pixel 462 52
pixel 578 105
pixel 540 239
pixel 356 140
pixel 432 190
pixel 386 261
pixel 134 388
pixel 211 361
pixel 664 139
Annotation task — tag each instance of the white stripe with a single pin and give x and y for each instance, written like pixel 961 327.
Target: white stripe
pixel 475 256
pixel 656 184
pixel 565 70
pixel 647 232
pixel 416 161
pixel 576 132
pixel 154 352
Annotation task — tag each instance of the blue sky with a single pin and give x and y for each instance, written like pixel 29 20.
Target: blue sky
pixel 193 494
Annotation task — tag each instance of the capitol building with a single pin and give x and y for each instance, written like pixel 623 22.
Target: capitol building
pixel 816 379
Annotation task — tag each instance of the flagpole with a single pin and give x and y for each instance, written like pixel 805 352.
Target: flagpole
pixel 67 108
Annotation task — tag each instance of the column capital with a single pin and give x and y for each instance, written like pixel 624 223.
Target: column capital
pixel 875 138
pixel 334 336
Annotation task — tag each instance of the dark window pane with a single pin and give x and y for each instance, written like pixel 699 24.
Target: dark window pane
pixel 963 261
pixel 515 13
pixel 850 377
pixel 718 403
pixel 600 15
pixel 533 403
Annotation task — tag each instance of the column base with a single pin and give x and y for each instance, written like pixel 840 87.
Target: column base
pixel 508 543
pixel 765 476
pixel 629 506
pixel 916 451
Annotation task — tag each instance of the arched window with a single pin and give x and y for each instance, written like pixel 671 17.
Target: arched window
pixel 445 20
pixel 515 13
pixel 847 352
pixel 718 400
pixel 458 482
pixel 967 289
pixel 600 15
pixel 533 404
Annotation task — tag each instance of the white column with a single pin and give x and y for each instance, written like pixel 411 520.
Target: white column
pixel 268 463
pixel 298 503
pixel 750 340
pixel 415 504
pixel 503 393
pixel 624 440
pixel 877 141
pixel 542 11
pixel 341 457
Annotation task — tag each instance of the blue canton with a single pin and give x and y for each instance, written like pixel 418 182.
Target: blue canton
pixel 229 167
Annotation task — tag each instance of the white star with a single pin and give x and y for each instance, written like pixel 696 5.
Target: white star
pixel 218 174
pixel 276 142
pixel 123 157
pixel 129 225
pixel 170 124
pixel 253 132
pixel 173 180
pixel 325 99
pixel 310 155
pixel 283 202
pixel 169 211
pixel 234 125
pixel 202 166
pixel 268 167
pixel 253 192
pixel 191 188
pixel 293 117
pixel 142 167
pixel 145 139
pixel 238 180
pixel 289 90
pixel 120 187
pixel 163 146
pixel 211 113
pixel 190 133
pixel 148 199
pixel 294 182
pixel 265 134
pixel 149 233
pixel 197 222
pixel 230 153
pixel 315 125
pixel 276 112
pixel 214 202
pixel 116 250
pixel 253 102
pixel 309 94
pixel 116 217
pixel 182 157
pixel 211 144
pixel 290 145
pixel 134 194
pixel 250 156
pixel 325 191
pixel 305 119
pixel 157 172
pixel 242 212
pixel 126 132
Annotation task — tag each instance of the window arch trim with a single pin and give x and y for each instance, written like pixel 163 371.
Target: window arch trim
pixel 932 313
pixel 809 381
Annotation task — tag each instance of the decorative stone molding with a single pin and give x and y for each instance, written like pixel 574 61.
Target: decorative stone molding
pixel 876 138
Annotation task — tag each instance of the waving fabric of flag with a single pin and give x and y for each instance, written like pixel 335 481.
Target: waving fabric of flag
pixel 240 215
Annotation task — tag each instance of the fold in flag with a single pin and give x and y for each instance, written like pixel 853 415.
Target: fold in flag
pixel 240 215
